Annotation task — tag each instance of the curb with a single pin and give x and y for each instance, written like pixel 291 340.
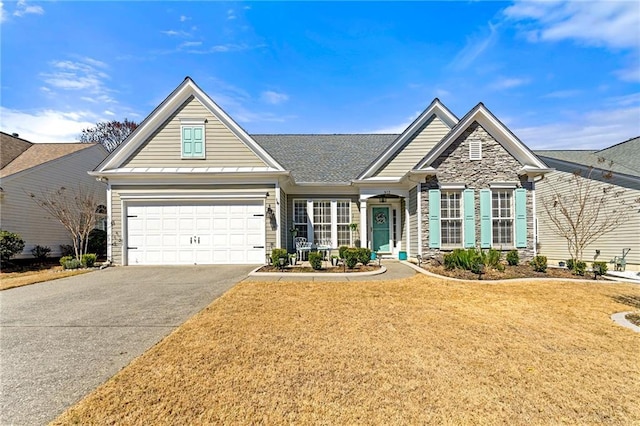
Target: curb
pixel 255 273
pixel 619 318
pixel 505 281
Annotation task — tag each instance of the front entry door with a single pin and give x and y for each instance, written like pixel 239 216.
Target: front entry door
pixel 380 229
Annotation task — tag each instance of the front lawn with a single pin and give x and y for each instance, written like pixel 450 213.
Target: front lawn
pixel 17 279
pixel 414 351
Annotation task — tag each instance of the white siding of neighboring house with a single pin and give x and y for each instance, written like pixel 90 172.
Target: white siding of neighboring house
pixel 626 235
pixel 414 150
pixel 222 146
pixel 20 213
pixel 232 191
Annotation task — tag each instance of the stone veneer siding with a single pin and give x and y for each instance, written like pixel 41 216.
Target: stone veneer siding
pixel 496 165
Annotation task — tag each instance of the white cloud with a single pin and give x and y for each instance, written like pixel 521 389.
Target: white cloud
pixel 3 13
pixel 612 24
pixel 475 46
pixel 591 130
pixel 22 8
pixel 231 14
pixel 176 33
pixel 109 113
pixel 562 94
pixel 190 44
pixel 82 75
pixel 510 83
pixel 184 18
pixel 47 125
pixel 273 98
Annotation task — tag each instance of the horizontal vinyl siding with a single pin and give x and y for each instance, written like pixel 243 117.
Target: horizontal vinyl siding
pixel 21 214
pixel 627 234
pixel 232 191
pixel 413 222
pixel 416 149
pixel 222 147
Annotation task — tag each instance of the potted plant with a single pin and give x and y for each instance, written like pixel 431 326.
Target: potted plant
pixel 334 260
pixel 292 259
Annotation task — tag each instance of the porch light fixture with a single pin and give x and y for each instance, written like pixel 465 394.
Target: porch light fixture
pixel 269 211
pixel 382 199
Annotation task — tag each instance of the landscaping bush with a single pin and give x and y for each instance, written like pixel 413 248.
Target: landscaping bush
pixel 41 253
pixel 67 250
pixel 539 263
pixel 351 257
pixel 341 251
pixel 71 263
pixel 10 245
pixel 513 258
pixel 276 254
pixel 463 259
pixel 88 260
pixel 97 242
pixel 571 264
pixel 580 267
pixel 364 256
pixel 315 259
pixel 599 268
pixel 491 258
pixel 65 259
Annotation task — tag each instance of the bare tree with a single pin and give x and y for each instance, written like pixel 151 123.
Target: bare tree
pixel 76 210
pixel 584 206
pixel 109 134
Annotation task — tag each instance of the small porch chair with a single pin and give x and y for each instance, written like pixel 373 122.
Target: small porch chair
pixel 302 246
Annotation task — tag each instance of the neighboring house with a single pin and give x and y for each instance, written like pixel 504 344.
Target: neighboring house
pixel 33 168
pixel 623 161
pixel 189 185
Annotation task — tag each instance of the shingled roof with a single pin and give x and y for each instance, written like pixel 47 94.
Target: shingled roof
pixel 337 158
pixel 33 154
pixel 623 157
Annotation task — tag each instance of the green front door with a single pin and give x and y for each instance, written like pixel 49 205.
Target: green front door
pixel 380 229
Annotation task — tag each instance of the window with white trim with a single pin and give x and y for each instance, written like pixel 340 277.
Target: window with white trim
pixel 502 217
pixel 343 219
pixel 300 217
pixel 451 218
pixel 329 220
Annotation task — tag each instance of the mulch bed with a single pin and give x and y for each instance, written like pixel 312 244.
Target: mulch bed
pixel 510 272
pixel 329 270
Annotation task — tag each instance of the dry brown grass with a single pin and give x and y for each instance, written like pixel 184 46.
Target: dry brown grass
pixel 415 351
pixel 18 279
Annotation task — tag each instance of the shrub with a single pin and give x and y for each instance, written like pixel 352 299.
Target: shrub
pixel 599 268
pixel 66 250
pixel 70 262
pixel 513 258
pixel 88 260
pixel 539 263
pixel 10 245
pixel 97 242
pixel 580 267
pixel 276 254
pixel 315 259
pixel 571 264
pixel 351 257
pixel 492 258
pixel 477 267
pixel 41 253
pixel 364 256
pixel 341 251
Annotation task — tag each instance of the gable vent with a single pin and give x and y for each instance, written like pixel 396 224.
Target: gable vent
pixel 475 150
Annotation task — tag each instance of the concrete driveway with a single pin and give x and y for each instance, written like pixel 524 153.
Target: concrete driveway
pixel 61 339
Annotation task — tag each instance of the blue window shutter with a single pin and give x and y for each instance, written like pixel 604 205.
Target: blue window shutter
pixel 198 142
pixel 521 217
pixel 187 141
pixel 434 218
pixel 469 218
pixel 485 218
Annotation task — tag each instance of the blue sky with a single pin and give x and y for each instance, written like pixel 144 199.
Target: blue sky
pixel 558 74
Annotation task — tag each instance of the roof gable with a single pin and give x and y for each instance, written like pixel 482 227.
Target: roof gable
pixel 12 148
pixel 435 109
pixel 186 91
pixel 42 153
pixel 496 129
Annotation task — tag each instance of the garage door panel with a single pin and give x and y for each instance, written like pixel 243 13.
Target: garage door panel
pixel 214 232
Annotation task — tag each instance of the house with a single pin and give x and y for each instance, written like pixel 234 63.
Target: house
pixel 623 162
pixel 189 185
pixel 36 168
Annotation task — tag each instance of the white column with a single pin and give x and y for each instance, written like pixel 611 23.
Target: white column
pixel 535 216
pixel 407 228
pixel 419 217
pixel 363 223
pixel 278 218
pixel 109 219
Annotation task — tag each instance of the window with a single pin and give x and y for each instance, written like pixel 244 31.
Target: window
pixel 502 217
pixel 450 218
pixel 101 218
pixel 329 220
pixel 343 219
pixel 475 150
pixel 321 221
pixel 192 141
pixel 300 217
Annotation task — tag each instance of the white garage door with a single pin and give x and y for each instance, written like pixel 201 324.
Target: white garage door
pixel 196 233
